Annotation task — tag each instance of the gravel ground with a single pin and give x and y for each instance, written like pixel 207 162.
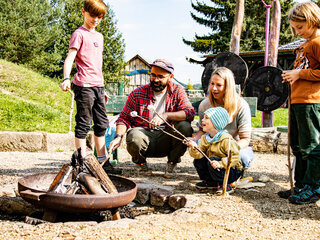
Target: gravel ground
pixel 246 214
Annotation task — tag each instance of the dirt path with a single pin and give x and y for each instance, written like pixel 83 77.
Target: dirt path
pixel 247 214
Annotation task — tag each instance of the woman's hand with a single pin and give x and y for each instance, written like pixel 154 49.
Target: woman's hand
pixel 216 164
pixel 290 76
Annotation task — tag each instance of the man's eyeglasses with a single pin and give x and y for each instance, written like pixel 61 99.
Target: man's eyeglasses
pixel 160 77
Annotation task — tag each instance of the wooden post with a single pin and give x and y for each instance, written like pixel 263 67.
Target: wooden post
pixel 289 141
pixel 267 120
pixel 227 172
pixel 237 27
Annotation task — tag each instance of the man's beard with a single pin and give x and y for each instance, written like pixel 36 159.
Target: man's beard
pixel 158 87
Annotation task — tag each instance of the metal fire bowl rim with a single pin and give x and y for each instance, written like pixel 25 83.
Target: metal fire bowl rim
pixel 78 203
pixel 22 180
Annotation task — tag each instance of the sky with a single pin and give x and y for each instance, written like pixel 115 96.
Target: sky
pixel 155 28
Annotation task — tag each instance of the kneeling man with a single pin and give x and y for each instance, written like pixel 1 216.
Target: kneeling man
pixel 145 139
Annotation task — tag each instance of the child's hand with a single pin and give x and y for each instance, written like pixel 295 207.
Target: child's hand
pixel 215 164
pixel 290 76
pixel 65 85
pixel 190 143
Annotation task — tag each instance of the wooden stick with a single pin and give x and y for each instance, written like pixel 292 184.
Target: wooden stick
pixel 226 174
pixel 58 177
pixel 289 142
pixel 71 109
pixel 93 165
pixel 184 137
pixel 107 158
pixel 160 128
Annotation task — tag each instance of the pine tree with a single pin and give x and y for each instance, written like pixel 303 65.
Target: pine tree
pixel 219 16
pixel 28 30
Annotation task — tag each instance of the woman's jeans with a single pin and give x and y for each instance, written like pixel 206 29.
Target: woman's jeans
pixel 246 155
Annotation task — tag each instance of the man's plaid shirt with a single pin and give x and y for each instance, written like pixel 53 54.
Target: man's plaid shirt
pixel 142 97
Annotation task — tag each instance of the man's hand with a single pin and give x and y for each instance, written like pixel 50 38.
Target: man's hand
pixel 65 85
pixel 114 144
pixel 157 121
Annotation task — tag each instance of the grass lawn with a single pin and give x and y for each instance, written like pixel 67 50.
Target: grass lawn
pixel 31 102
pixel 280 118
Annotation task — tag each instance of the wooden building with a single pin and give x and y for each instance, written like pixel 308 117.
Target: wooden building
pixel 137 73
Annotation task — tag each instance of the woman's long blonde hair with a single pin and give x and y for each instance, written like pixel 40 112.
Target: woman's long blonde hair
pixel 231 100
pixel 308 12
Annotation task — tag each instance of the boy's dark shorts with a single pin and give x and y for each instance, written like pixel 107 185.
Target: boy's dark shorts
pixel 90 106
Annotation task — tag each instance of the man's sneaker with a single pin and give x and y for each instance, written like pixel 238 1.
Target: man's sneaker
pixel 287 193
pixel 109 169
pixel 229 189
pixel 143 169
pixel 170 170
pixel 306 196
pixel 204 185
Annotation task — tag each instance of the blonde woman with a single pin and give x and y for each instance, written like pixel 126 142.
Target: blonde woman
pixel 222 93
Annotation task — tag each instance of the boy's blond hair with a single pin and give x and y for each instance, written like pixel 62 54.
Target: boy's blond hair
pixel 231 99
pixel 308 12
pixel 95 8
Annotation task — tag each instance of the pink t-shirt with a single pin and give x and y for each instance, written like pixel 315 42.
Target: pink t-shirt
pixel 89 45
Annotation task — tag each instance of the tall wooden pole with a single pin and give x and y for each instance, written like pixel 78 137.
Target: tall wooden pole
pixel 237 27
pixel 272 44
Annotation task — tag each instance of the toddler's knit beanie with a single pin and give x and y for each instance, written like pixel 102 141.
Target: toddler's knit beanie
pixel 218 116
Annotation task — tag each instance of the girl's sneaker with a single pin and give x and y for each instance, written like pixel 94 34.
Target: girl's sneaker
pixel 306 196
pixel 229 190
pixel 287 193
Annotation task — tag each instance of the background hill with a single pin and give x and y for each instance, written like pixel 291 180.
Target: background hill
pixel 30 102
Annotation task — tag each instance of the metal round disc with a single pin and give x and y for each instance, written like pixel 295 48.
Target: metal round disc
pixel 229 60
pixel 265 83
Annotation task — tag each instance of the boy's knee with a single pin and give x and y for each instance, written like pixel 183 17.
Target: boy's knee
pixel 99 131
pixel 81 132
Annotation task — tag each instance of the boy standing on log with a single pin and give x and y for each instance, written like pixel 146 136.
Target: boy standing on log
pixel 86 48
pixel 304 80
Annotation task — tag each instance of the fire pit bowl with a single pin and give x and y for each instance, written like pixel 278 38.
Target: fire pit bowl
pixel 33 188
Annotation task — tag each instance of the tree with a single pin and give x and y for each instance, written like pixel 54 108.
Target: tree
pixel 219 16
pixel 37 33
pixel 28 29
pixel 114 47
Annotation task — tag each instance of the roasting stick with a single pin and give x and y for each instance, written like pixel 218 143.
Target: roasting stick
pixel 152 109
pixel 71 109
pixel 135 114
pixel 107 158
